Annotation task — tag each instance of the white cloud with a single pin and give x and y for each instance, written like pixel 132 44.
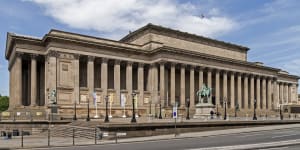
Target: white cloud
pixel 115 16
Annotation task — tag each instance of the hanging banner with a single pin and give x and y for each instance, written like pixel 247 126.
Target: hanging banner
pixel 95 98
pixel 123 100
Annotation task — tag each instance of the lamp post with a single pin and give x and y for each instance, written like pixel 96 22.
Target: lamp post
pixel 254 111
pixel 133 120
pixel 88 110
pixel 75 111
pixel 106 111
pixel 235 110
pixel 150 108
pixel 280 113
pixel 225 113
pixel 188 109
pixel 159 117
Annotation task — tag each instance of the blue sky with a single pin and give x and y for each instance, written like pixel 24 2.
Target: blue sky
pixel 270 28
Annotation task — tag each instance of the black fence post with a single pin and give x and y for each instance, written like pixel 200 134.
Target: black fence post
pixel 116 137
pixel 22 138
pixel 73 136
pixel 48 136
pixel 96 136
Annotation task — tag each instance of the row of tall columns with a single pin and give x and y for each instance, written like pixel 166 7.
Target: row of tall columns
pixel 267 89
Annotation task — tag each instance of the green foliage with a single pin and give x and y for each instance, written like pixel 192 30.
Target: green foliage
pixel 4 103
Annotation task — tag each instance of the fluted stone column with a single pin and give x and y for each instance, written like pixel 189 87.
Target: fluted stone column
pixel 251 91
pixel 275 93
pixel 232 101
pixel 239 89
pixel 192 87
pixel 264 93
pixel 289 93
pixel 225 86
pixel 129 80
pixel 90 74
pixel 117 81
pixel 217 96
pixel 281 101
pixel 33 91
pixel 18 78
pixel 200 77
pixel 269 97
pixel 172 86
pixel 141 83
pixel 286 91
pixel 162 84
pixel 182 85
pixel 104 78
pixel 76 78
pixel 51 74
pixel 258 92
pixel 209 83
pixel 246 103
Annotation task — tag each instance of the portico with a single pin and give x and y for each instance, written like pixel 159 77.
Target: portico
pixel 161 65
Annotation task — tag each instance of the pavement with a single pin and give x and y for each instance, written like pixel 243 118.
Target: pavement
pixel 280 135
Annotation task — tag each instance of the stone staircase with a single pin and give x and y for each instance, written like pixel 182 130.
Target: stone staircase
pixel 78 129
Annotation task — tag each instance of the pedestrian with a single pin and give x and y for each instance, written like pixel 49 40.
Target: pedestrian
pixel 211 114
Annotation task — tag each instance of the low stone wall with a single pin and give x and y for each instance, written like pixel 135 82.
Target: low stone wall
pixel 152 129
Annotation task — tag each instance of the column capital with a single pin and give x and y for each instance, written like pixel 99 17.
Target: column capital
pixel 251 75
pixel 104 60
pixel 162 62
pixel 209 69
pixel 201 68
pixel 173 64
pixel 141 64
pixel 246 75
pixel 232 73
pixel 19 54
pixel 117 62
pixel 76 56
pixel 192 67
pixel 224 71
pixel 183 65
pixel 91 58
pixel 129 63
pixel 33 56
pixel 239 73
pixel 53 54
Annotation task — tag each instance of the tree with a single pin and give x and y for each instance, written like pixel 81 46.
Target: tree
pixel 4 103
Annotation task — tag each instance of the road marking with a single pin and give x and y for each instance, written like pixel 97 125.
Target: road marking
pixel 252 146
pixel 283 136
pixel 278 148
pixel 250 135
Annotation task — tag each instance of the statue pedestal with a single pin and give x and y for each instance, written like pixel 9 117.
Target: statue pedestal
pixel 203 110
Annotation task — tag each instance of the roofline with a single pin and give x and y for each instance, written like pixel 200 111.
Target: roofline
pixel 157 27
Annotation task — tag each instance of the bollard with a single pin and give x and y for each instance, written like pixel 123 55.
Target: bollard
pixel 95 136
pixel 73 136
pixel 48 136
pixel 116 138
pixel 22 139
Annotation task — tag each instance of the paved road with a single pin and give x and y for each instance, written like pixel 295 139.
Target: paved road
pixel 204 142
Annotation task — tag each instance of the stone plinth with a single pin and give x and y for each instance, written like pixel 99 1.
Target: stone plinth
pixel 203 110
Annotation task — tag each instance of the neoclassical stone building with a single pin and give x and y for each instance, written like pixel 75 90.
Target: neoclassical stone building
pixel 159 64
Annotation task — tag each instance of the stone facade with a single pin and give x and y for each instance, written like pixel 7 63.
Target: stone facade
pixel 161 65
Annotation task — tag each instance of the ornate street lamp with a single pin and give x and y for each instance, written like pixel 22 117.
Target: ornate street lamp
pixel 188 109
pixel 106 111
pixel 160 117
pixel 88 110
pixel 75 111
pixel 254 111
pixel 236 109
pixel 225 103
pixel 280 113
pixel 133 120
